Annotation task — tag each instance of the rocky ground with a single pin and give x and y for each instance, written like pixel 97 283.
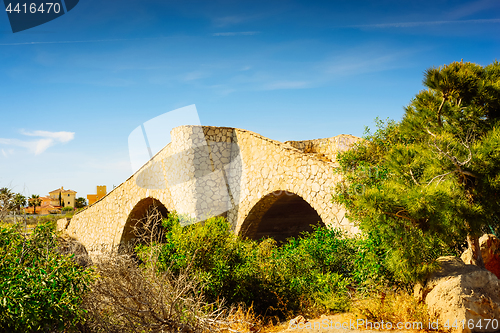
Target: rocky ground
pixel 330 324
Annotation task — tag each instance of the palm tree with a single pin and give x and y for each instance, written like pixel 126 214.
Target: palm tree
pixel 34 202
pixel 6 197
pixel 19 201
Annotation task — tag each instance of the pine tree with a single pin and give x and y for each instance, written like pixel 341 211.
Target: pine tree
pixel 430 182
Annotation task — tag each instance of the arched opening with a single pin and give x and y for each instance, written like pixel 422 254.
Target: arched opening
pixel 143 223
pixel 280 215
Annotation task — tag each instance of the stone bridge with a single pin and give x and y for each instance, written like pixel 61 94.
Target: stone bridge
pixel 263 187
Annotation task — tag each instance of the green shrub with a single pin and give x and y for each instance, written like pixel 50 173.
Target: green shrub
pixel 305 273
pixel 40 289
pixel 370 264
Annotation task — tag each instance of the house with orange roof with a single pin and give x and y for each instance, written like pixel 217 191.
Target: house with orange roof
pixel 46 207
pixel 54 202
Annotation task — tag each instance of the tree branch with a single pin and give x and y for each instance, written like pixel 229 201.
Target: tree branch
pixel 412 177
pixel 442 176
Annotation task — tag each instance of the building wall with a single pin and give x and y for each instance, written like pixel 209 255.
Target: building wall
pixel 92 198
pixel 69 199
pixel 101 193
pixel 68 196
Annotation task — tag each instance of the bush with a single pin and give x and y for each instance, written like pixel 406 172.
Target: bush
pixel 40 289
pixel 306 274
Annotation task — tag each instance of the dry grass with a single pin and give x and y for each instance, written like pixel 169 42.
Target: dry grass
pixel 127 297
pixel 392 307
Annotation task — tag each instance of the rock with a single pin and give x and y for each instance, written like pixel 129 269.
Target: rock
pixel 490 250
pixel 462 293
pixel 62 224
pixel 297 320
pixel 70 246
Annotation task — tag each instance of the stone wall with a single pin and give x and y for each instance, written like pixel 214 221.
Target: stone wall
pixel 208 171
pixel 325 149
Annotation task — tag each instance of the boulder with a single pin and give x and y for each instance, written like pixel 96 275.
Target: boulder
pixel 62 224
pixel 490 250
pixel 461 294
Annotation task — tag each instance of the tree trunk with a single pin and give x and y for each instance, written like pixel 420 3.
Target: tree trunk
pixel 476 256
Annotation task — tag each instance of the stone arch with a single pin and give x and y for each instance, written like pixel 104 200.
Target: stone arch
pixel 280 214
pixel 137 216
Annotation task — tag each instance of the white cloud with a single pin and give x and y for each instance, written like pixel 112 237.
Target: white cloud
pixel 60 136
pixel 48 139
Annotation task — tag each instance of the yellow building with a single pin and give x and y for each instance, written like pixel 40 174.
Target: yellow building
pixel 67 196
pixel 101 193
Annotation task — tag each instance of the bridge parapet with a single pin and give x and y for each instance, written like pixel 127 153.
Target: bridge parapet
pixel 206 171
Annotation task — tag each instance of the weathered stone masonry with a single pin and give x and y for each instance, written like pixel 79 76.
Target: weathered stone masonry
pixel 244 176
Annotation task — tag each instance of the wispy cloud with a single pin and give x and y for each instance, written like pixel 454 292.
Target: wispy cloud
pixel 422 24
pixel 82 41
pixel 47 140
pixel 224 21
pixel 353 64
pixel 59 136
pixel 195 75
pixel 471 8
pixel 286 85
pixel 239 33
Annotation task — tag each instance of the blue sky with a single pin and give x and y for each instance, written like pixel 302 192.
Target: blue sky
pixel 73 89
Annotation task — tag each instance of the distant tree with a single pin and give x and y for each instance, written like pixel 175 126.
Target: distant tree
pixel 80 202
pixel 431 181
pixel 19 201
pixel 6 202
pixel 34 202
pixel 61 203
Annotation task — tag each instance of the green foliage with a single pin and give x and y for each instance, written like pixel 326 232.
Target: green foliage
pixel 40 290
pixel 370 263
pixel 307 273
pixel 67 209
pixel 19 201
pixel 10 202
pixel 80 202
pixel 427 182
